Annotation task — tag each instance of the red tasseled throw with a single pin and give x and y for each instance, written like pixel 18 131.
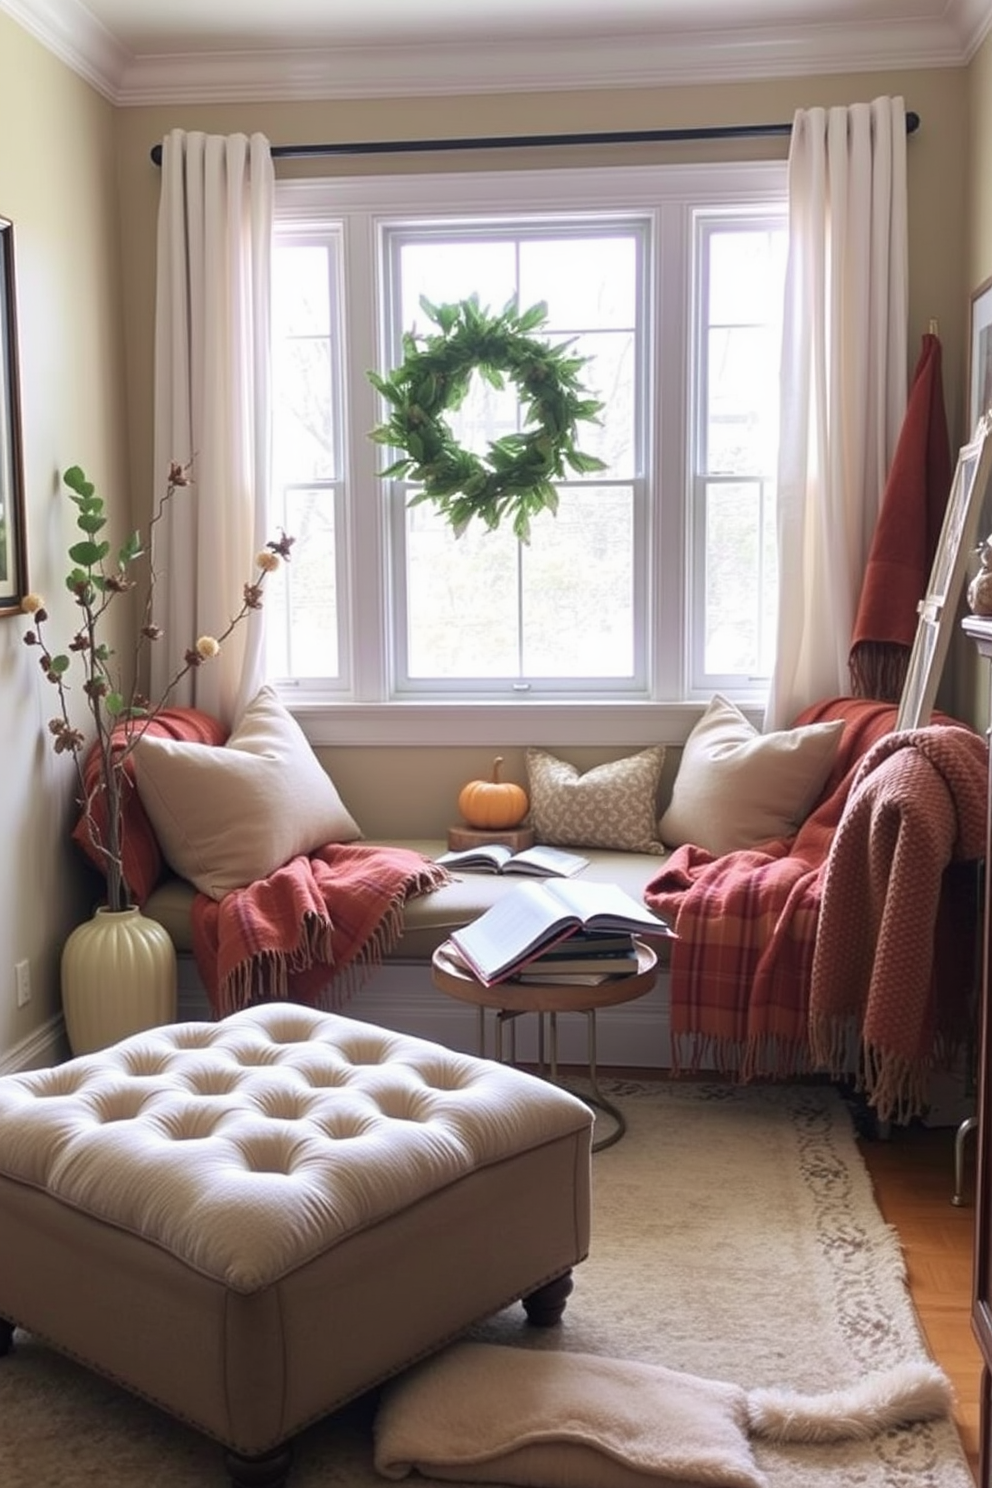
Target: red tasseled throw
pixel 308 931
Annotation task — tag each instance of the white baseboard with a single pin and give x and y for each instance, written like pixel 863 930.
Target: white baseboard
pixel 43 1047
pixel 401 996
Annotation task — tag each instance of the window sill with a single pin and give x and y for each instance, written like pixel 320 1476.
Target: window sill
pixel 628 725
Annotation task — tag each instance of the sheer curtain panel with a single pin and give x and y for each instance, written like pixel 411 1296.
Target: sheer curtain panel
pixel 843 383
pixel 212 370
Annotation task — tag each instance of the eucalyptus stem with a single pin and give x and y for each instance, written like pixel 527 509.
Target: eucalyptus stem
pixel 120 718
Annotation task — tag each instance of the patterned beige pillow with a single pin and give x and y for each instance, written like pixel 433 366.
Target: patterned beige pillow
pixel 610 806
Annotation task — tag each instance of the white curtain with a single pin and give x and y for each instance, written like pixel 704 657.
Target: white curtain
pixel 212 350
pixel 844 379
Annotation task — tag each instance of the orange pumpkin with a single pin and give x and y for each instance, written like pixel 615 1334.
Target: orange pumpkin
pixel 493 803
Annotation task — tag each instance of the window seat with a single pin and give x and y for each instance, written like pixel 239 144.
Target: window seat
pixel 430 918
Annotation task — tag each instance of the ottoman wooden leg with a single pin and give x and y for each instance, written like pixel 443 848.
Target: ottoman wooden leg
pixel 6 1336
pixel 268 1471
pixel 544 1307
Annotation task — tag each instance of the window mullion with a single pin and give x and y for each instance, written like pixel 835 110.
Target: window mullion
pixel 366 496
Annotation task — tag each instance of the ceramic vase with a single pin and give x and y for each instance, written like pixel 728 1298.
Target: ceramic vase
pixel 118 978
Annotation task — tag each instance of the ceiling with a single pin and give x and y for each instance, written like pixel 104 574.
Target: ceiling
pixel 143 51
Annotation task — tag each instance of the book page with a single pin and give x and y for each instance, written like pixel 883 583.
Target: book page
pixel 605 906
pixel 490 857
pixel 543 860
pixel 513 929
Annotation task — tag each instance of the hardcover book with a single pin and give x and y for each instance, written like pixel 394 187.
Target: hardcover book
pixel 537 916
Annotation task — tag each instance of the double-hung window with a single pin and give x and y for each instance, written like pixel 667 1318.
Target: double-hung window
pixel 654 583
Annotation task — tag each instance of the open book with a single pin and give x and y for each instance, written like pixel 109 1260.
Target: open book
pixel 538 915
pixel 537 862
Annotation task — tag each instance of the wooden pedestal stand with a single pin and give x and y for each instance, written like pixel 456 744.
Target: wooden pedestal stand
pixel 515 838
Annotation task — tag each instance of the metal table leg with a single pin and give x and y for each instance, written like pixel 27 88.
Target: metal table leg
pixel 595 1097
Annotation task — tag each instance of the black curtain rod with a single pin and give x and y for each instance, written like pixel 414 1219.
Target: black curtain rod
pixel 521 141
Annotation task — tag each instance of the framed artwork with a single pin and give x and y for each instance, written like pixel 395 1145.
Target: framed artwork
pixel 13 545
pixel 980 356
pixel 938 608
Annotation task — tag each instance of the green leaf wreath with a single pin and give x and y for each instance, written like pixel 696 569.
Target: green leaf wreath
pixel 516 477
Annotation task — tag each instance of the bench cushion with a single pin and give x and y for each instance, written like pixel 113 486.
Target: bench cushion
pixel 430 919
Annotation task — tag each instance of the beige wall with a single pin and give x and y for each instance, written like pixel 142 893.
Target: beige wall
pixel 58 185
pixel 395 792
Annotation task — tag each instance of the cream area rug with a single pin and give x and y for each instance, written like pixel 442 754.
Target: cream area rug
pixel 735 1238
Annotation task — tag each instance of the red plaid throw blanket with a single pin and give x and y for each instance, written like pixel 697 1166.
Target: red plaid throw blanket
pixel 746 925
pixel 917 803
pixel 309 931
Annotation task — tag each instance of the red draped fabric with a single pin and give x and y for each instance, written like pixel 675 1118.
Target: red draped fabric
pixel 905 538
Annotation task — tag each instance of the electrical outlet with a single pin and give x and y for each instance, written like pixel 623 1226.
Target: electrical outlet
pixel 22 975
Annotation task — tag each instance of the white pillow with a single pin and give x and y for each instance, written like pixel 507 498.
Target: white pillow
pixel 736 787
pixel 227 816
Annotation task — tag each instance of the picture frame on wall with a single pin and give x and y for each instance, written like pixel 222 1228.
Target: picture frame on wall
pixel 13 541
pixel 980 356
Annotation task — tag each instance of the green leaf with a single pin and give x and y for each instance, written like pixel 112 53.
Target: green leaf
pixel 534 317
pixel 430 310
pixel 60 665
pixel 76 481
pixel 492 375
pixel 90 523
pixel 114 704
pixel 584 464
pixel 89 554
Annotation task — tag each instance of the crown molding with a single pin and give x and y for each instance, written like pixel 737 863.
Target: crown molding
pixel 73 34
pixel 972 21
pixel 68 29
pixel 542 64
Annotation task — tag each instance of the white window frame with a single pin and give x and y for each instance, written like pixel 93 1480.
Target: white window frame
pixel 671 195
pixel 708 222
pixel 596 689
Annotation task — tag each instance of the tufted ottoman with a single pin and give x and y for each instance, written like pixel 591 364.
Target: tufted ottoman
pixel 250 1222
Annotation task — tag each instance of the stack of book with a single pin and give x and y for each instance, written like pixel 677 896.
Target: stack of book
pixel 585 957
pixel 543 928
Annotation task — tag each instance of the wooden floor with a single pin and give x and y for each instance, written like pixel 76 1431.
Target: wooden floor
pixel 913 1174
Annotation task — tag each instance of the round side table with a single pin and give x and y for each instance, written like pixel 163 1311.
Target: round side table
pixel 511 998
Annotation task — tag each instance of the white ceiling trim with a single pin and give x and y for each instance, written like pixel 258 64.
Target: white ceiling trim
pixel 72 33
pixel 973 21
pixel 76 38
pixel 504 67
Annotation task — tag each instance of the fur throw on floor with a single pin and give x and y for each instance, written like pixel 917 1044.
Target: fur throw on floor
pixel 491 1414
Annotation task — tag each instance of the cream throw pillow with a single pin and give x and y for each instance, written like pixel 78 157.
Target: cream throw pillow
pixel 610 806
pixel 737 787
pixel 227 816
